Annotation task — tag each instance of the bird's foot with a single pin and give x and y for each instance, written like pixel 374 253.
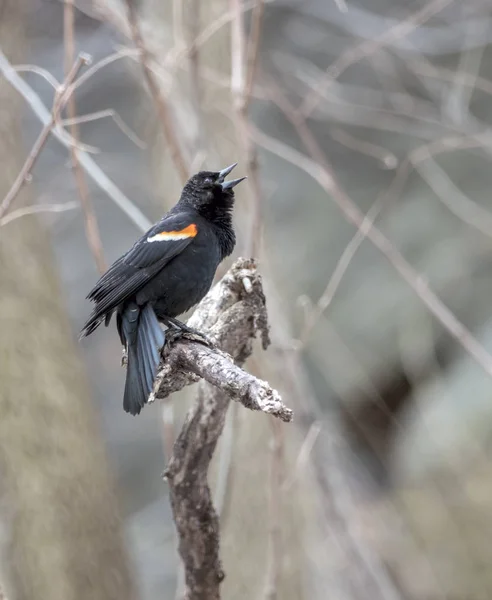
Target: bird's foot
pixel 178 330
pixel 124 357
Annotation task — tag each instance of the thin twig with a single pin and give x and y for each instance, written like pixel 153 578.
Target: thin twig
pixel 174 58
pixel 469 212
pixel 59 101
pixel 253 49
pixel 303 456
pixel 238 88
pixel 470 80
pixel 368 47
pixel 91 168
pixel 194 75
pixel 44 73
pixel 160 103
pixel 315 313
pixel 276 481
pixel 112 114
pixel 37 208
pixel 387 159
pixel 456 103
pixel 323 174
pixel 451 196
pixel 90 221
pixel 365 568
pixel 104 62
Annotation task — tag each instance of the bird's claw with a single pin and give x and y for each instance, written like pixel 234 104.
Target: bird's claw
pixel 188 333
pixel 196 336
pixel 124 357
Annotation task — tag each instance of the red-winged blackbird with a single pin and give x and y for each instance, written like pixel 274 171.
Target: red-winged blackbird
pixel 166 272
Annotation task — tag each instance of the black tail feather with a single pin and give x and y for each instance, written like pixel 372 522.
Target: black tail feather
pixel 91 325
pixel 145 339
pixel 135 395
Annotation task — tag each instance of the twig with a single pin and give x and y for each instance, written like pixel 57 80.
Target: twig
pixel 211 29
pixel 325 178
pixel 468 211
pixel 364 569
pixel 225 465
pixel 387 159
pixel 348 254
pixel 37 208
pixel 91 168
pixel 253 49
pixel 241 99
pixel 343 105
pixel 112 114
pixel 366 48
pixel 160 104
pixel 90 221
pixel 276 481
pixel 104 62
pixel 451 196
pixel 44 73
pixel 194 76
pixel 470 80
pixel 231 317
pixel 59 101
pixel 456 102
pixel 303 456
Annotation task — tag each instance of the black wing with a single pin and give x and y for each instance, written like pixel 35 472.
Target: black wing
pixel 136 268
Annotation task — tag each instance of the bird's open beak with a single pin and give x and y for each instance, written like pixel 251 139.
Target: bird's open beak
pixel 225 172
pixel 227 185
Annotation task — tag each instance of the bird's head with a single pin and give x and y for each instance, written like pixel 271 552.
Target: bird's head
pixel 208 192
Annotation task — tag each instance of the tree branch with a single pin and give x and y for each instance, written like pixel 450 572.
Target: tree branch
pixel 59 101
pixel 90 167
pixel 91 226
pixel 231 316
pixel 162 108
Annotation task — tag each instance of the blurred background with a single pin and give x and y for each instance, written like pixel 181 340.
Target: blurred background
pixel 382 345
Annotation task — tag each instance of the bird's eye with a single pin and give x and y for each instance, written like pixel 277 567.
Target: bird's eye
pixel 208 181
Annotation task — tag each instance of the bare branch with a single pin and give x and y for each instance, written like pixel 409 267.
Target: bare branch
pixel 231 316
pixel 211 29
pixel 37 208
pixel 426 69
pixel 46 75
pixel 366 48
pixel 325 178
pixel 160 103
pixel 449 194
pixel 276 481
pixel 241 99
pixel 104 62
pixel 60 99
pixel 91 226
pixel 112 114
pixel 253 48
pixel 387 159
pixel 217 368
pixel 91 168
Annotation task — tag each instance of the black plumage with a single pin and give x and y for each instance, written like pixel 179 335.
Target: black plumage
pixel 166 272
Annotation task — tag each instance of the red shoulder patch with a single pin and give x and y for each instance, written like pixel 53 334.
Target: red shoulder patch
pixel 182 234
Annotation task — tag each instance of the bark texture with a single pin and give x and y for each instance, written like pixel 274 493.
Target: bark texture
pixel 231 315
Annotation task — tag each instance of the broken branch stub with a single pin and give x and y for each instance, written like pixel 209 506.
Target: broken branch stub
pixel 231 315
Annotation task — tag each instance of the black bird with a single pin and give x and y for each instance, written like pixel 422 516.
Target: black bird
pixel 166 272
